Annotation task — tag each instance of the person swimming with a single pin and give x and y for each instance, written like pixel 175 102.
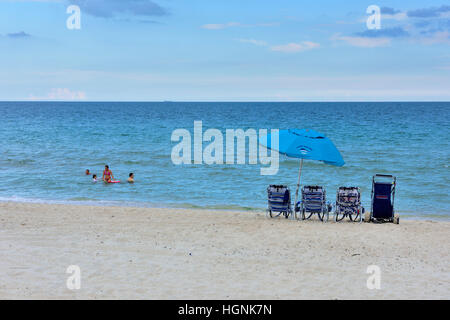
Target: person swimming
pixel 131 178
pixel 107 175
pixel 94 178
pixel 88 173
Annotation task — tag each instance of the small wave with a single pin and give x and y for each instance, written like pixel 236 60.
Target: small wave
pixel 82 199
pixel 19 162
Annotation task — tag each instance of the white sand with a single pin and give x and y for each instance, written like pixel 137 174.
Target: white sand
pixel 136 253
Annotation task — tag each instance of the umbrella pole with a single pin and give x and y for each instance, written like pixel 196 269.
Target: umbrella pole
pixel 298 186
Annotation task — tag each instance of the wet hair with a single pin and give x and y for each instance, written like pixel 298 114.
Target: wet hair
pixel 131 173
pixel 94 176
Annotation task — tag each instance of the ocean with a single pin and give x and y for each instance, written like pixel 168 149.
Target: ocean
pixel 45 148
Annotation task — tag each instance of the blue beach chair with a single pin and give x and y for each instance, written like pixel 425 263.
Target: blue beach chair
pixel 348 204
pixel 383 194
pixel 279 201
pixel 313 201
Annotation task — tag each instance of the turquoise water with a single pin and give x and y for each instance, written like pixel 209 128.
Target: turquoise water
pixel 46 146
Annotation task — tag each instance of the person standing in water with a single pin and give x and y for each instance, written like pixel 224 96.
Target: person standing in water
pixel 107 175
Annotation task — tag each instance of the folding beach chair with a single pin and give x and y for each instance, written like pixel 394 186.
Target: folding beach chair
pixel 313 201
pixel 279 201
pixel 348 204
pixel 383 194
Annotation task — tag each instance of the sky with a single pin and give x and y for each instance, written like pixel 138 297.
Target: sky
pixel 224 50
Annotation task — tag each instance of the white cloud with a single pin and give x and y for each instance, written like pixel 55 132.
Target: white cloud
pixel 253 41
pixel 219 26
pixel 61 94
pixel 363 41
pixel 295 47
pixel 397 16
pixel 437 37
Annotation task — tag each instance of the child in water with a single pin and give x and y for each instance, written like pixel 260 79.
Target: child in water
pixel 94 178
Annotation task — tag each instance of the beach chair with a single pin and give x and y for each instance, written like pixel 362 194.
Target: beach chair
pixel 279 201
pixel 348 204
pixel 313 201
pixel 383 194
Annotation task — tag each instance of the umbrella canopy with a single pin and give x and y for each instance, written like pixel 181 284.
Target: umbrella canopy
pixel 305 144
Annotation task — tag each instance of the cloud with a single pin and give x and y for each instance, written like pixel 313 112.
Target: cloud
pixel 422 23
pixel 394 32
pixel 363 42
pixel 219 26
pixel 437 38
pixel 253 41
pixel 18 35
pixel 429 12
pixel 61 94
pixel 295 47
pixel 432 25
pixel 390 11
pixel 110 8
pixel 140 21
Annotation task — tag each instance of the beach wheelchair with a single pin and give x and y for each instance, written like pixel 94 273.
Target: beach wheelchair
pixel 348 204
pixel 279 201
pixel 313 201
pixel 383 194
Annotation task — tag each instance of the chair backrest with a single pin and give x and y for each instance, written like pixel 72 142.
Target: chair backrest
pixel 279 198
pixel 349 196
pixel 382 200
pixel 313 198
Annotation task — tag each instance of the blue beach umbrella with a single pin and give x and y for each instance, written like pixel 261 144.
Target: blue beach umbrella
pixel 304 144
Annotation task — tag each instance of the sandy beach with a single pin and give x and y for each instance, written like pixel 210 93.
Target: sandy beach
pixel 146 253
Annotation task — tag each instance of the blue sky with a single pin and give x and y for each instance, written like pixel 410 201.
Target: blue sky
pixel 211 50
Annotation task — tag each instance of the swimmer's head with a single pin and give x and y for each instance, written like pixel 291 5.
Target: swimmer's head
pixel 131 175
pixel 94 176
pixel 87 172
pixel 106 167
